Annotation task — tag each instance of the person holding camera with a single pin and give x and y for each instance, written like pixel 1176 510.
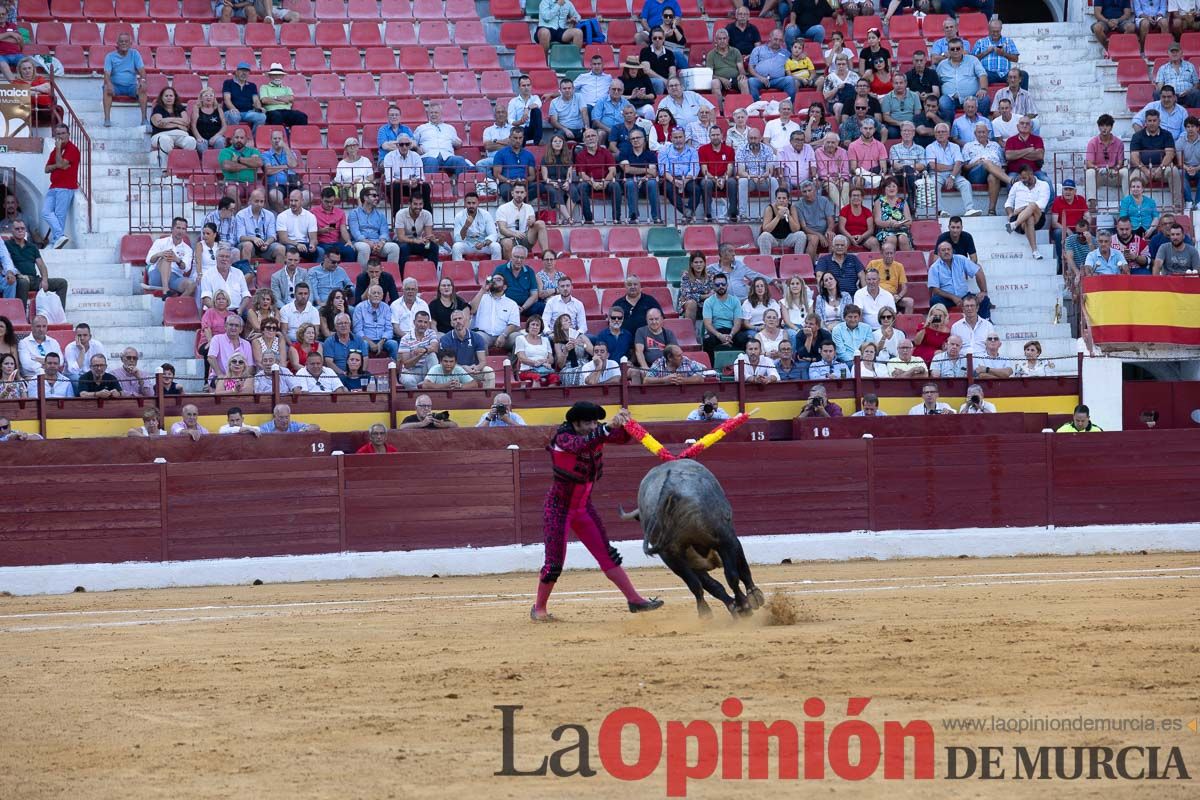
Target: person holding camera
pixel 500 415
pixel 975 403
pixel 425 418
pixel 929 402
pixel 708 410
pixel 818 404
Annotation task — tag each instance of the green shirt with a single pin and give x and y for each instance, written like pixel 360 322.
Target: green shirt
pixel 25 258
pixel 239 175
pixel 265 93
pixel 437 375
pixel 1069 427
pixel 724 66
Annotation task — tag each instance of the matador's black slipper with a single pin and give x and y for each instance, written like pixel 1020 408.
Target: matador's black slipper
pixel 645 605
pixel 535 618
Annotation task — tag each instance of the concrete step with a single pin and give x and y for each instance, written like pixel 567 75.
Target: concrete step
pixel 90 302
pixel 112 317
pixel 1021 331
pixel 92 255
pixel 1016 312
pixel 1023 291
pixel 94 293
pixel 144 334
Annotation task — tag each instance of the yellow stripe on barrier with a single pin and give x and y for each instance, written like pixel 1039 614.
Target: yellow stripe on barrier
pixel 1144 308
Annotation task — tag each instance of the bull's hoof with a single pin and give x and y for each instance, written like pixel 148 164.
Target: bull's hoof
pixel 703 610
pixel 645 605
pixel 745 611
pixel 732 609
pixel 756 598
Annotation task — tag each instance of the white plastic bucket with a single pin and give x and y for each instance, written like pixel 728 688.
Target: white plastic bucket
pixel 697 79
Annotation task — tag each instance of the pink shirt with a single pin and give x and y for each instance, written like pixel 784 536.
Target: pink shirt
pixel 832 166
pixel 214 320
pixel 867 155
pixel 221 349
pixel 1102 155
pixel 336 217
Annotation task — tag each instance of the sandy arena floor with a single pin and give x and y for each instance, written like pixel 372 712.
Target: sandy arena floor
pixel 386 688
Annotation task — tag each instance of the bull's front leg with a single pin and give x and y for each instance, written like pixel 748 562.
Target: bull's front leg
pixel 753 593
pixel 715 588
pixel 732 577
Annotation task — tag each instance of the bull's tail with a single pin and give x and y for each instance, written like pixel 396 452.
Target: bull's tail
pixel 652 540
pixel 628 516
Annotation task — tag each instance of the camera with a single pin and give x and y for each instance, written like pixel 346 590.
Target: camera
pixel 817 402
pixel 709 408
pixel 442 415
pixel 499 410
pixel 976 399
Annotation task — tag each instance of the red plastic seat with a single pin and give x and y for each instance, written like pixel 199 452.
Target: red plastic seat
pixel 236 55
pixel 309 61
pixel 164 10
pixel 971 26
pixel 397 9
pixel 1124 45
pixel 925 233
pixel 134 247
pixel 50 34
pixel 345 59
pixel 625 241
pixel 399 33
pixel 73 58
pixel 1156 45
pixel 276 55
pixel 700 237
pixel 477 109
pixel 331 34
pixel 1138 96
pixel 429 9
pixel 365 34
pixel 149 34
pixel 792 264
pixel 740 236
pixel 170 59
pixel 604 271
pixel 429 84
pixel 330 9
pixel 295 34
pixel 481 57
pixel 622 31
pixel 180 313
pixel 469 32
pixel 360 86
pixel 379 60
pixel 325 87
pixel 434 32
pixel 461 272
pixel 198 10
pixel 224 34
pixel 205 59
pixel 97 10
pixel 495 83
pixel 374 111
pixel 529 57
pixel 460 10
pixel 904 26
pixel 647 269
pixel 362 10
pixel 585 242
pixel 297 84
pixel 916 263
pixel 306 137
pixel 395 84
pixel 507 9
pixel 260 34
pixel 613 9
pixel 187 86
pixel 462 84
pixel 414 59
pixel 262 136
pixel 85 34
pixel 190 34
pixel 182 163
pixel 446 59
pixel 513 34
pixel 341 111
pixel 338 134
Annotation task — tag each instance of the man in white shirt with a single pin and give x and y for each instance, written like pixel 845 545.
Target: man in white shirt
pixel 299 311
pixel 929 403
pixel 778 132
pixel 950 362
pixel 1026 206
pixel 33 349
pixel 592 86
pixel 436 142
pixel 262 380
pixel 236 423
pixel 316 378
pixel 57 384
pixel 172 257
pixel 78 354
pixel 495 315
pixel 296 225
pixel 600 369
pixel 684 106
pixel 975 403
pixel 474 231
pixel 871 299
pixel 972 330
pixel 404 171
pixel 517 224
pixel 495 137
pixel 404 309
pixel 225 278
pixel 525 111
pixel 757 369
pixel 564 303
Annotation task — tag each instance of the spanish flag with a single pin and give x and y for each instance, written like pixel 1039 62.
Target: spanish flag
pixel 1143 309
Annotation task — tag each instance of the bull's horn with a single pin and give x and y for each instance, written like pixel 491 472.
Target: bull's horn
pixel 629 515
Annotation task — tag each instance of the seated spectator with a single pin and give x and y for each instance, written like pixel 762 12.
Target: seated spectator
pixel 850 333
pixel 281 422
pixel 906 364
pixel 1066 210
pixel 369 230
pixel 562 302
pixel 639 89
pixel 299 310
pixel 235 422
pixel 500 415
pixel 567 113
pixel 719 170
pixel 151 425
pixel 513 165
pixel 753 366
pixel 554 181
pixel 534 355
pixel 404 171
pixel 930 404
pixel 926 122
pixel 327 278
pixel 656 62
pixel 208 126
pixel 829 303
pixel 238 377
pixel 388 135
pixel 414 233
pixel 470 349
pixel 12 384
pixel 418 351
pixel 975 403
pixel 1019 98
pixel 1162 233
pixel 341 343
pixel 1027 202
pixel 680 166
pixel 892 280
pixel 98 382
pixel 709 409
pixel 1081 422
pixel 447 374
pixel 951 362
pixel 800 67
pixel 1152 157
pixel 170 123
pixel 332 230
pixel 672 367
pixel 695 286
pixel 639 170
pixel 620 135
pixel 781 226
pixel 425 418
pixel 797 303
pixel 635 305
pixel 56 383
pixel 1112 16
pixel 833 88
pixel 592 86
pixel 1139 209
pixel 948 276
pixel 23 266
pixel 269 371
pixel 946 163
pixel 983 162
pixel 757 304
pixel 600 369
pixel 857 223
pixel 474 231
pixel 405 309
pixel 376 441
pixel 1105 159
pixel 818 404
pixel 844 265
pixel 795 162
pixel 223 346
pixel 372 323
pixel 828 367
pixel 962 76
pixel 860 116
pixel 306 341
pixel 757 167
pixel 316 378
pixel 189 423
pixel 972 330
pixel 786 364
pixel 1187 150
pixel 495 316
pixel 1180 75
pixel 899 106
pixel 832 165
pixel 521 282
pixel 768 67
pixel 525 110
pixel 124 75
pixel 870 402
pixel 436 144
pixel 892 217
pixel 558 23
pixel 134 382
pixel 597 172
pixel 872 300
pixel 256 231
pixel 728 66
pixel 517 224
pixel 239 166
pixel 871 364
pixel 1032 366
pixel 1176 257
pixel 241 100
pixel 1005 122
pixel 723 319
pixel 375 276
pixel 989 363
pixel 277 100
pixel 354 170
pixel 608 113
pixel 76 357
pixel 280 163
pixel 1025 149
pixel 224 219
pixel 1076 250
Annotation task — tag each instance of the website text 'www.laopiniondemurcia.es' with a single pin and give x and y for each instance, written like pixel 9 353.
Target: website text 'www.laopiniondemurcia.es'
pixel 853 749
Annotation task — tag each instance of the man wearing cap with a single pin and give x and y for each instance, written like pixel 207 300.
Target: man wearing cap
pixel 277 100
pixel 1178 74
pixel 1065 212
pixel 576 455
pixel 240 99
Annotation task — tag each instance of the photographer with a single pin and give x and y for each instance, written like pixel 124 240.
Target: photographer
pixel 425 418
pixel 975 403
pixel 500 415
pixel 818 405
pixel 708 410
pixel 929 402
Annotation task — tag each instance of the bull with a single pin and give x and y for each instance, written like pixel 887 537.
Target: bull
pixel 688 523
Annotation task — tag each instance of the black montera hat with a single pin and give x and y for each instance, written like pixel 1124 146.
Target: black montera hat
pixel 583 411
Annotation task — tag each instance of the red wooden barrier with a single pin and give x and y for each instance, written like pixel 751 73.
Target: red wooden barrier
pixel 904 426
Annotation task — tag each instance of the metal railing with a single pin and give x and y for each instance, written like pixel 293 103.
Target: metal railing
pixel 156 196
pixel 1108 186
pixel 79 137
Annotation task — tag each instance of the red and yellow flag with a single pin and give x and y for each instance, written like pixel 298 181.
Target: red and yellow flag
pixel 1143 309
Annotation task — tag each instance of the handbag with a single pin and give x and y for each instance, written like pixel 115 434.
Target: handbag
pixel 926 193
pixel 548 216
pixel 870 180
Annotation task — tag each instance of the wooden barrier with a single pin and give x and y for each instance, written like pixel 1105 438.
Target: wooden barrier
pixel 457 498
pixel 903 426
